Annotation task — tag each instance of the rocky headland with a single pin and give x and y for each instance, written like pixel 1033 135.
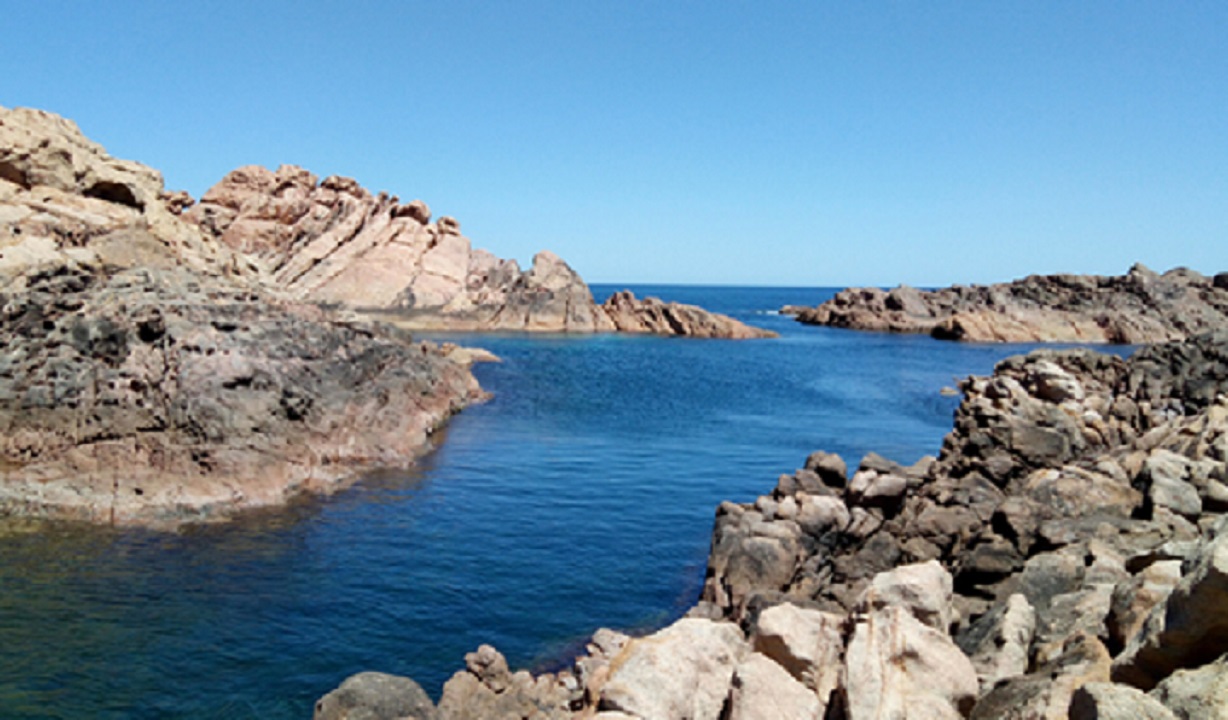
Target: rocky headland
pixel 1066 555
pixel 333 242
pixel 168 361
pixel 150 376
pixel 1140 307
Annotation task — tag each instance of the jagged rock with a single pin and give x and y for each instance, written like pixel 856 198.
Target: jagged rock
pixel 1107 701
pixel 998 642
pixel 650 315
pixel 808 644
pixel 376 696
pixel 1133 599
pixel 683 671
pixel 487 690
pixel 923 589
pixel 1198 693
pixel 1136 308
pixel 64 199
pixel 333 242
pixel 763 690
pixel 155 397
pixel 899 667
pixel 1046 693
pixel 151 378
pixel 1189 628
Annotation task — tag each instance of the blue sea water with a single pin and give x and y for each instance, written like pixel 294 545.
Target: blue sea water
pixel 581 496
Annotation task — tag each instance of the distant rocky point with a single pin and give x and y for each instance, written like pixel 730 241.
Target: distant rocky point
pixel 1140 307
pixel 333 242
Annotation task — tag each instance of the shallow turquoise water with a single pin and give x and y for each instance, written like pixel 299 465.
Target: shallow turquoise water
pixel 581 496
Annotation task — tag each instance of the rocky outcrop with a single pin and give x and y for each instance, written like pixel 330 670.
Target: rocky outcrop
pixel 333 242
pixel 1062 557
pixel 63 198
pixel 1140 307
pixel 150 377
pixel 652 316
pixel 152 396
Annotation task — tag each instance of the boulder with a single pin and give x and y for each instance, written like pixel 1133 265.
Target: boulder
pixel 806 643
pixel 1196 693
pixel 763 690
pixel 924 590
pixel 376 696
pixel 1107 701
pixel 683 671
pixel 650 315
pixel 1188 629
pixel 898 667
pixel 1046 693
pixel 998 643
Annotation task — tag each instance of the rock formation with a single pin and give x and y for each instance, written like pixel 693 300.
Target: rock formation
pixel 1066 555
pixel 333 242
pixel 149 377
pixel 1137 308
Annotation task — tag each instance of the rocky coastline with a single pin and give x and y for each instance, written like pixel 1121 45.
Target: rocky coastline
pixel 170 362
pixel 1066 555
pixel 1140 307
pixel 333 242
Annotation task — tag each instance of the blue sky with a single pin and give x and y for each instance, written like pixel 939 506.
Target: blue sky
pixel 799 143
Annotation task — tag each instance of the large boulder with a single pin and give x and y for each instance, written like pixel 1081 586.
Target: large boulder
pixel 763 690
pixel 806 643
pixel 683 671
pixel 899 667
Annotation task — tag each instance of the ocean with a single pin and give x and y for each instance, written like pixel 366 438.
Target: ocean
pixel 582 495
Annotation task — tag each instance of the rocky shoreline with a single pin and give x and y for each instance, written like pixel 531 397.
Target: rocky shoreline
pixel 1066 555
pixel 170 362
pixel 1140 307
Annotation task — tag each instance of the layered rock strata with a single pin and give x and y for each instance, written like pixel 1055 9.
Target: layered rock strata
pixel 149 376
pixel 1140 307
pixel 333 242
pixel 1066 555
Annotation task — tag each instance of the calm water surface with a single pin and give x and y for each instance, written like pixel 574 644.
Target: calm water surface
pixel 581 496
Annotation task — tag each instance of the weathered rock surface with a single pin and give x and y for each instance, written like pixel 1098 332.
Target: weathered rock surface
pixel 683 671
pixel 1107 701
pixel 1139 307
pixel 1198 693
pixel 333 242
pixel 144 396
pixel 149 377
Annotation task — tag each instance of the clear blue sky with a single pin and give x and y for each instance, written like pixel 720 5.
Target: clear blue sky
pixel 800 143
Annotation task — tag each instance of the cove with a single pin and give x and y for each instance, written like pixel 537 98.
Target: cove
pixel 581 495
